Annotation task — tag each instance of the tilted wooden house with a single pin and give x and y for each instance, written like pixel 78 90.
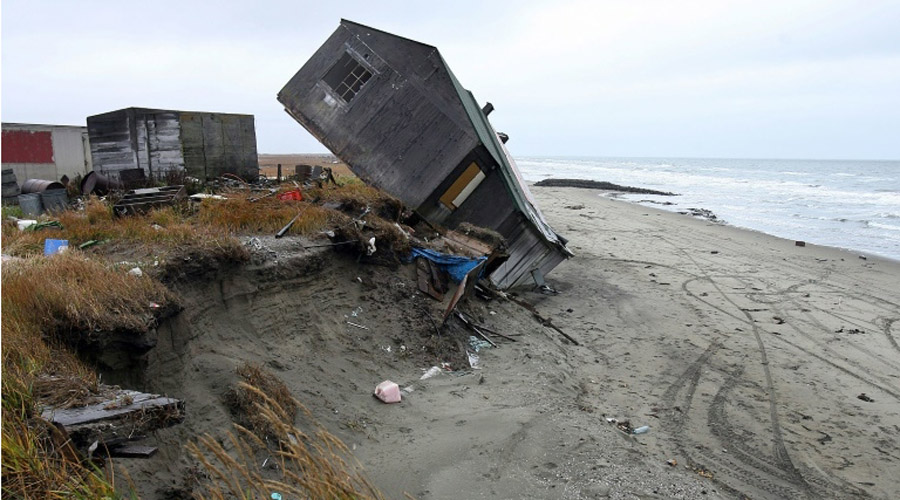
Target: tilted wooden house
pixel 394 112
pixel 199 144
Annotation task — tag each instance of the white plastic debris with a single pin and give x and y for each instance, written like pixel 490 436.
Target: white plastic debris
pixel 388 391
pixel 473 360
pixel 370 246
pixel 136 271
pixel 205 196
pixel 25 223
pixel 434 370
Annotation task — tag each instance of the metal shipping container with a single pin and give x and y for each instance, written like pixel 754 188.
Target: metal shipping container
pixel 36 151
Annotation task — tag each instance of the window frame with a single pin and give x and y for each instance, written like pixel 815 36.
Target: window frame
pixel 361 62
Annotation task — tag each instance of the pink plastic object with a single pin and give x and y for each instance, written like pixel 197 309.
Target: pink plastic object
pixel 388 391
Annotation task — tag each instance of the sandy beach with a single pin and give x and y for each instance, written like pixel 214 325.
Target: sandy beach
pixel 745 354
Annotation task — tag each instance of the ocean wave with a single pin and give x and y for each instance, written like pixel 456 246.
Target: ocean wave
pixel 879 225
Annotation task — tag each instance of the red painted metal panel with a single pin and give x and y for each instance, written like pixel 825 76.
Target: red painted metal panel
pixel 25 146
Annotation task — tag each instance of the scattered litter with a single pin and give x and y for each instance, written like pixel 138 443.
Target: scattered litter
pixel 44 225
pixel 255 243
pixel 206 196
pixel 143 200
pixel 276 496
pixel 88 244
pixel 361 327
pixel 293 195
pixel 154 305
pixel 671 462
pixel 611 420
pixel 281 232
pixel 641 430
pixel 800 243
pixel 136 271
pixel 478 344
pixel 865 398
pixel 386 348
pixel 704 473
pixel 370 246
pixel 548 290
pixel 388 391
pixel 473 360
pixel 355 312
pixel 24 224
pixel 52 247
pixel 863 257
pixel 434 370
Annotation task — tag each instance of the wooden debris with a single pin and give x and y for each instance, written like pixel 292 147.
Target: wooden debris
pixel 133 451
pixel 142 200
pixel 544 321
pixel 124 415
pixel 475 329
pixel 430 280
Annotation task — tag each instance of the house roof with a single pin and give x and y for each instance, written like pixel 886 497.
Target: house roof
pixel 516 186
pixel 485 134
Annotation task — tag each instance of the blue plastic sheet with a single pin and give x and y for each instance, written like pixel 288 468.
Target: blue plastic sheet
pixel 456 266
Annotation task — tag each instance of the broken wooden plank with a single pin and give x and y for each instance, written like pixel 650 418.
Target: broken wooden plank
pixel 125 403
pixel 122 416
pixel 475 329
pixel 133 451
pixel 426 275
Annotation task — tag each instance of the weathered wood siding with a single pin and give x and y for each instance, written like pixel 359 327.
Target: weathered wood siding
pixel 408 131
pixel 399 133
pixel 214 144
pixel 112 149
pixel 203 145
pixel 158 143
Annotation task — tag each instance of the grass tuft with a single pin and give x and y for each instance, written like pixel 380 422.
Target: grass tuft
pixel 244 398
pixel 313 464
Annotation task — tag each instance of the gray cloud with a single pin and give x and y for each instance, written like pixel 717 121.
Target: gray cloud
pixel 693 78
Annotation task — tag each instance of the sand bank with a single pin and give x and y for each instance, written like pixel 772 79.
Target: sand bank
pixel 744 353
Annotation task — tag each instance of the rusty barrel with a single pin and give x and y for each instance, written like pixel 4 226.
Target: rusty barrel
pixel 40 185
pixel 97 183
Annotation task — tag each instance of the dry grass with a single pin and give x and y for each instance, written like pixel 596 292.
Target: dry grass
pixel 244 402
pixel 46 303
pixel 309 465
pixel 35 466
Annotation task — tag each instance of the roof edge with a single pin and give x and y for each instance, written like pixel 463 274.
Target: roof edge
pixel 360 25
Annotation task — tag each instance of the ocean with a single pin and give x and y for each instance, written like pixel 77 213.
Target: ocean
pixel 851 204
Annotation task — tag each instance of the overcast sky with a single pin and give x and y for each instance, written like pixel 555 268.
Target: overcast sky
pixel 754 79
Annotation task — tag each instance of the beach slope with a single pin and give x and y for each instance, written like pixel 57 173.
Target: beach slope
pixel 772 367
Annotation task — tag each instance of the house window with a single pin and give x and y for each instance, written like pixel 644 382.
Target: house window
pixel 346 77
pixel 460 190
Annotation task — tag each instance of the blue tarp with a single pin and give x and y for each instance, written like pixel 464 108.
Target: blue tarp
pixel 455 265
